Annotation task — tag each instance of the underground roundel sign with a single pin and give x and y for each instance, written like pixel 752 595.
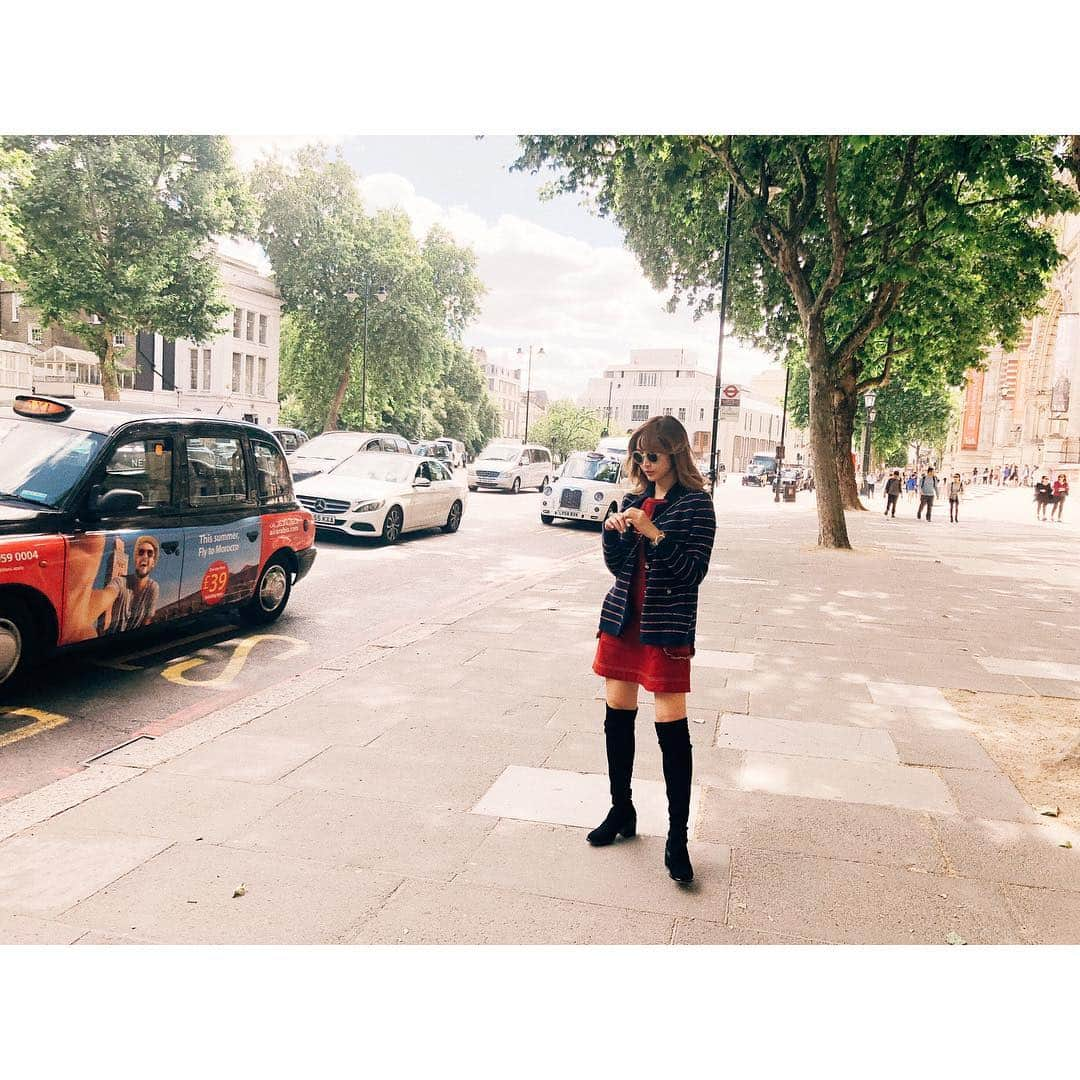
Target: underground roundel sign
pixel 731 391
pixel 214 583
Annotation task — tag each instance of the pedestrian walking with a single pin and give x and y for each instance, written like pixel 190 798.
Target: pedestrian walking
pixel 1044 496
pixel 892 493
pixel 956 489
pixel 911 485
pixel 1061 492
pixel 658 547
pixel 928 490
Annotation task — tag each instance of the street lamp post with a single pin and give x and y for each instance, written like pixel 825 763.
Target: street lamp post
pixel 780 450
pixel 351 295
pixel 868 399
pixel 720 341
pixel 528 385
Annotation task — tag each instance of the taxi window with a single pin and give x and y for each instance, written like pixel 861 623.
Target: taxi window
pixel 41 463
pixel 271 473
pixel 288 440
pixel 145 466
pixel 216 471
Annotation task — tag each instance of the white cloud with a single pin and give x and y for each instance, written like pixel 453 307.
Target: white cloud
pixel 247 149
pixel 587 305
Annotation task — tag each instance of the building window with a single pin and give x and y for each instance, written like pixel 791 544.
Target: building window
pixel 251 326
pixel 262 329
pixel 639 412
pixel 236 373
pixel 249 375
pixel 16 303
pixel 119 339
pixel 648 378
pixel 667 412
pixel 194 369
pixel 262 377
pixel 237 322
pixel 34 335
pixel 682 414
pixel 207 357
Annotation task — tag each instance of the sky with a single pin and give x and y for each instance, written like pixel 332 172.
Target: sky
pixel 556 274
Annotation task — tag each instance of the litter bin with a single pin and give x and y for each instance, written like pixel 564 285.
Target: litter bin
pixel 789 490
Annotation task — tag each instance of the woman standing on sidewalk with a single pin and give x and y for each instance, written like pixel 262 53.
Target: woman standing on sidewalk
pixel 1044 496
pixel 658 547
pixel 1061 492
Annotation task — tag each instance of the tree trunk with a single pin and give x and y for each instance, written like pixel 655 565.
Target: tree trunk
pixel 339 396
pixel 832 528
pixel 107 357
pixel 845 405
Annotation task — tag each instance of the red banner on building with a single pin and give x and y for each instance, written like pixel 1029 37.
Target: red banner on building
pixel 972 411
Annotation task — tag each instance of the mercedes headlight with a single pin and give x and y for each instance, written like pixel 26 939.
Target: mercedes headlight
pixel 367 507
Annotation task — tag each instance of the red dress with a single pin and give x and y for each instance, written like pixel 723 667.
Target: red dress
pixel 660 669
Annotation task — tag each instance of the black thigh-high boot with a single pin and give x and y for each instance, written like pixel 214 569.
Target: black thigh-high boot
pixel 674 738
pixel 622 817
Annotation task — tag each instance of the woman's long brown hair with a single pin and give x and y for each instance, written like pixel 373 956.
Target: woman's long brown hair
pixel 663 435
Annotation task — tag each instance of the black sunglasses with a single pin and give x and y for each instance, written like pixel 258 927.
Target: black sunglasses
pixel 639 457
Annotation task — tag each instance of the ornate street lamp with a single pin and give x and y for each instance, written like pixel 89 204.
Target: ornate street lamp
pixel 868 400
pixel 528 390
pixel 351 295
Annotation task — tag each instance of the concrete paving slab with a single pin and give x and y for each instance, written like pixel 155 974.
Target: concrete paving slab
pixel 834 830
pixel 1038 669
pixel 458 742
pixel 396 777
pixel 1011 852
pixel 727 661
pixel 329 723
pixel 953 749
pixel 992 796
pixel 251 758
pixel 1054 688
pixel 44 873
pixel 820 708
pixel 588 716
pixel 852 903
pixel 901 786
pixel 806 738
pixel 706 932
pixel 27 930
pixel 907 696
pixel 185 896
pixel 555 861
pixel 811 688
pixel 1046 916
pixel 174 807
pixel 560 797
pixel 425 914
pixel 393 838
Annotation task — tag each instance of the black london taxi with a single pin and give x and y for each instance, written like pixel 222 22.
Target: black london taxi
pixel 111 522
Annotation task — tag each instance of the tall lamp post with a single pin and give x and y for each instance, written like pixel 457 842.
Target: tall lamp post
pixel 868 399
pixel 780 450
pixel 351 295
pixel 720 341
pixel 528 385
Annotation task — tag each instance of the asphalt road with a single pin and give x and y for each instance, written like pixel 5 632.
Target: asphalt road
pixel 88 702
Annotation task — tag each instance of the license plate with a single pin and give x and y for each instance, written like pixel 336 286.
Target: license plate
pixel 562 512
pixel 325 519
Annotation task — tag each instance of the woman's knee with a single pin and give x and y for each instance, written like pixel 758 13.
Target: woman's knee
pixel 670 707
pixel 621 695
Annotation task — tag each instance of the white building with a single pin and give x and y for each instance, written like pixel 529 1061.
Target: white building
pixel 233 375
pixel 670 382
pixel 17 360
pixel 504 389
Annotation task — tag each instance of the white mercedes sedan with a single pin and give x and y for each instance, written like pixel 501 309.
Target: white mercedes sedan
pixel 384 495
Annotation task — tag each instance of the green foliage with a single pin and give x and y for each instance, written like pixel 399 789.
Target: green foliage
pixel 567 427
pixel 122 228
pixel 14 176
pixel 322 245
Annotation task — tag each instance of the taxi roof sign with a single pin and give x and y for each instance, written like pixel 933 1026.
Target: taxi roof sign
pixel 44 407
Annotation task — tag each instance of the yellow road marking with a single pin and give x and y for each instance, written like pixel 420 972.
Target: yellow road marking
pixel 176 672
pixel 120 663
pixel 43 721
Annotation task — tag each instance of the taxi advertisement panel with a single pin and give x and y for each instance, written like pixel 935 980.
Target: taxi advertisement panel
pixel 37 562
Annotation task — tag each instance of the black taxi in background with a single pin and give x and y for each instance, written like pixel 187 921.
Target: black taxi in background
pixel 111 522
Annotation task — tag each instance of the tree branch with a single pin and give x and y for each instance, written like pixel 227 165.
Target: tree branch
pixel 836 229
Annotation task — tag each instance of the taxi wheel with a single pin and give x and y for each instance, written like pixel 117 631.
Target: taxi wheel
pixel 17 641
pixel 548 519
pixel 391 526
pixel 516 487
pixel 454 520
pixel 271 595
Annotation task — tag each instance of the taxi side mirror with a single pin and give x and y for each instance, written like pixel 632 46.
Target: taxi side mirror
pixel 421 481
pixel 116 503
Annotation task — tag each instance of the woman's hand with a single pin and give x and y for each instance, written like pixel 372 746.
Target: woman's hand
pixel 640 521
pixel 616 522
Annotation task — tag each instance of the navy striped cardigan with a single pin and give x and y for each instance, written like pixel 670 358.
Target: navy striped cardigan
pixel 673 569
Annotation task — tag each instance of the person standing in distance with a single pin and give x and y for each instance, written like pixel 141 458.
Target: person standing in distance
pixel 928 491
pixel 956 489
pixel 892 493
pixel 1060 493
pixel 1044 496
pixel 658 547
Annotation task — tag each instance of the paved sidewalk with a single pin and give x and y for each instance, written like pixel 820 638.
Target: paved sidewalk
pixel 437 787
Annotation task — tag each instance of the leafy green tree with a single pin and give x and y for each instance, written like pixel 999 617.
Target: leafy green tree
pixel 567 427
pixel 14 176
pixel 838 241
pixel 118 235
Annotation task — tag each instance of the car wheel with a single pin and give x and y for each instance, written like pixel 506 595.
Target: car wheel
pixel 271 594
pixel 391 526
pixel 547 519
pixel 516 486
pixel 18 642
pixel 454 520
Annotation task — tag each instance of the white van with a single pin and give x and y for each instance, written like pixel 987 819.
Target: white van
pixel 457 451
pixel 511 467
pixel 589 488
